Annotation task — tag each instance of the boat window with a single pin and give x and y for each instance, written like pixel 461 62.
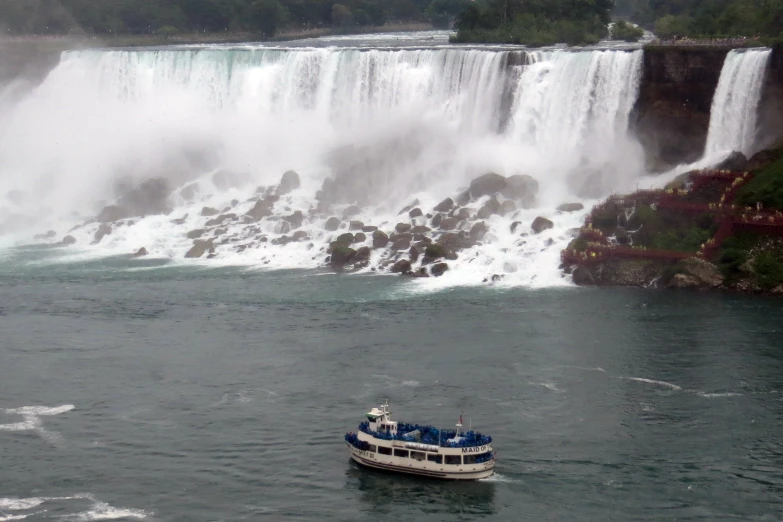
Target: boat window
pixel 372 448
pixel 438 459
pixel 400 453
pixel 469 459
pixel 418 455
pixel 384 451
pixel 454 460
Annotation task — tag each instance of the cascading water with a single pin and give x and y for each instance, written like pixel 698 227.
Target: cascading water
pixel 735 103
pixel 419 124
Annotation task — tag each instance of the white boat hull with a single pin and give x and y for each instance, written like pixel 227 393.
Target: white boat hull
pixel 422 468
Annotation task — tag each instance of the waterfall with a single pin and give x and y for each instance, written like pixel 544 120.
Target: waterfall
pixel 413 124
pixel 735 104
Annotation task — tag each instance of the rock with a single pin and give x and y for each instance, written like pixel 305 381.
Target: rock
pixel 295 220
pixel 490 208
pixel 341 255
pixel 487 185
pixel 180 221
pixel 454 242
pixel 103 230
pixel 514 226
pixel 507 207
pixel 463 198
pixel 402 227
pixel 358 225
pixel 380 239
pixel 449 223
pixel 220 219
pixel 299 235
pixel 288 183
pixel 439 269
pixel 702 270
pixel 736 161
pixel 437 219
pixel 351 211
pixel 194 234
pixel 68 240
pixel 462 214
pixel 684 281
pixel 522 188
pixel 570 207
pixel 540 224
pixel 263 207
pixel 478 231
pixel 621 235
pixel 220 231
pixel 369 229
pixel 209 211
pixel 48 235
pixel 420 229
pixel 416 212
pixel 362 255
pixel 582 276
pixel 401 242
pixel 282 227
pixel 414 254
pixel 444 206
pixel 332 224
pixel 111 213
pixel 148 198
pixel 778 290
pixel 360 237
pixel 402 266
pixel 434 251
pixel 345 239
pixel 141 252
pixel 200 246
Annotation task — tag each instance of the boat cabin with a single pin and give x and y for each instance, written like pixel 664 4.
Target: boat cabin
pixel 380 420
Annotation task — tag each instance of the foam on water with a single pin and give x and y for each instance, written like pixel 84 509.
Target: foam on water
pixel 657 383
pixel 436 118
pixel 32 421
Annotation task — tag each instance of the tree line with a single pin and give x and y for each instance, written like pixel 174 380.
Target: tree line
pixel 167 17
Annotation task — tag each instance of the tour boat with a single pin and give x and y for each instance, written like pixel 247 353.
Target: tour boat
pixel 385 444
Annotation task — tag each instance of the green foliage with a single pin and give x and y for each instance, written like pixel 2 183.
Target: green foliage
pixel 267 17
pixel 622 30
pixel 766 187
pixel 534 22
pixel 768 270
pixel 687 240
pixel 671 26
pixel 166 32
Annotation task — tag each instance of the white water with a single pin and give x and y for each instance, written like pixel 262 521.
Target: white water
pixel 435 118
pixel 735 104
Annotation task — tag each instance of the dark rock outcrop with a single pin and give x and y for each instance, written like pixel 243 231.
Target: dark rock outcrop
pixel 341 256
pixel 289 182
pixel 487 185
pixel 332 224
pixel 103 231
pixel 380 239
pixel 403 266
pixel 540 224
pixel 478 231
pixel 209 211
pixel 571 207
pixel 402 227
pixel 141 252
pixel 439 269
pixel 416 212
pixel 199 248
pixel 444 206
pixel 521 188
pixel 68 240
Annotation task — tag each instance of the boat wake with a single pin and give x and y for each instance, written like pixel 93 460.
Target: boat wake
pixel 32 420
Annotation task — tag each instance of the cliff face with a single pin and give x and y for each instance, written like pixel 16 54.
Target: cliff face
pixel 770 123
pixel 672 115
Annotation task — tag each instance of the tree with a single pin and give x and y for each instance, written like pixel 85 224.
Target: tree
pixel 671 26
pixel 622 30
pixel 267 16
pixel 341 16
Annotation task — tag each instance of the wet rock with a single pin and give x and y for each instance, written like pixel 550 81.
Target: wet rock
pixel 420 229
pixel 141 252
pixel 179 221
pixel 683 281
pixel 462 214
pixel 68 240
pixel 521 188
pixel 380 239
pixel 332 224
pixel 439 269
pixel 736 161
pixel 514 226
pixel 194 234
pixel 402 227
pixel 454 242
pixel 463 198
pixel 487 185
pixel 369 229
pixel 289 182
pixel 444 206
pixel 449 223
pixel 704 271
pixel 582 276
pixel 345 239
pixel 507 207
pixel 299 235
pixel 362 254
pixel 220 231
pixel 341 255
pixel 414 254
pixel 282 227
pixel 103 230
pixel 621 235
pixel 416 212
pixel 220 219
pixel 200 247
pixel 570 207
pixel 209 211
pixel 478 231
pixel 357 225
pixel 360 237
pixel 263 207
pixel 401 242
pixel 540 224
pixel 111 213
pixel 148 198
pixel 401 267
pixel 490 208
pixel 50 234
pixel 295 220
pixel 351 211
pixel 437 219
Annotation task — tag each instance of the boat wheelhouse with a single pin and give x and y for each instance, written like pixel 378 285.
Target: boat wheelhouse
pixel 382 443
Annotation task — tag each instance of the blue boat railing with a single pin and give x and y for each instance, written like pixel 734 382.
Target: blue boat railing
pixel 429 435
